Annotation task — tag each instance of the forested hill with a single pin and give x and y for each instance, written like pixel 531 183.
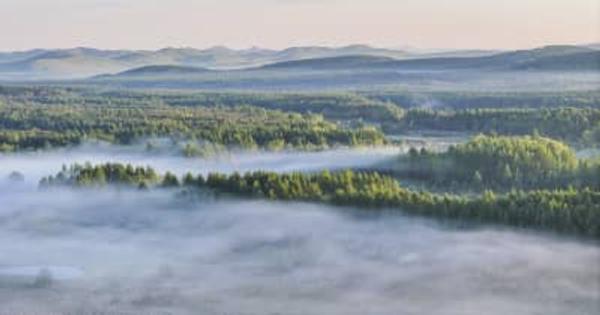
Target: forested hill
pixel 501 162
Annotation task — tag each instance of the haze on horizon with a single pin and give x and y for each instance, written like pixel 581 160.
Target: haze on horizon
pixel 153 24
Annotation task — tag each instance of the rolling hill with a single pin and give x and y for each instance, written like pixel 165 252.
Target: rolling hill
pixel 161 70
pixel 332 63
pixel 564 58
pixel 79 63
pixel 86 62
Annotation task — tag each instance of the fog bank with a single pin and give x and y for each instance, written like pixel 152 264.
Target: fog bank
pixel 131 252
pixel 35 165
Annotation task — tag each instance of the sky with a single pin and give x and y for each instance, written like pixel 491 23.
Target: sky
pixel 153 24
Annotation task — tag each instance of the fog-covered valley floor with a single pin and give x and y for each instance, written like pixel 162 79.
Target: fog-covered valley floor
pixel 35 165
pixel 152 252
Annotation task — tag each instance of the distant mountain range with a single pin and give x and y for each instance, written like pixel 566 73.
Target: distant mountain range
pixel 85 62
pixel 80 63
pixel 545 58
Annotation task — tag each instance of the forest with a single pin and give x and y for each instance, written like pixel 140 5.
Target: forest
pixel 480 99
pixel 570 116
pixel 26 126
pixel 521 170
pixel 579 126
pixel 501 163
pixel 299 157
pixel 574 211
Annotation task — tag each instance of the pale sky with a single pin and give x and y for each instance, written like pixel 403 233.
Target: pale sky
pixel 152 24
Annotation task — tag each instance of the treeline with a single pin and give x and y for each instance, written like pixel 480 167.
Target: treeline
pixel 502 162
pixel 27 126
pixel 458 100
pixel 13 140
pixel 576 125
pixel 575 211
pixel 569 116
pixel 88 175
pixel 362 102
pixel 572 211
pixel 385 107
pixel 333 106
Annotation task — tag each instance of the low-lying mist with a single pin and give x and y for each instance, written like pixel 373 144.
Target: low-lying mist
pixel 35 165
pixel 125 251
pixel 132 252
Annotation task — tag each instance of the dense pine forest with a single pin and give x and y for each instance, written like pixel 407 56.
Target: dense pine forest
pixel 521 170
pixel 568 116
pixel 501 162
pixel 527 181
pixel 580 126
pixel 45 126
pixel 575 211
